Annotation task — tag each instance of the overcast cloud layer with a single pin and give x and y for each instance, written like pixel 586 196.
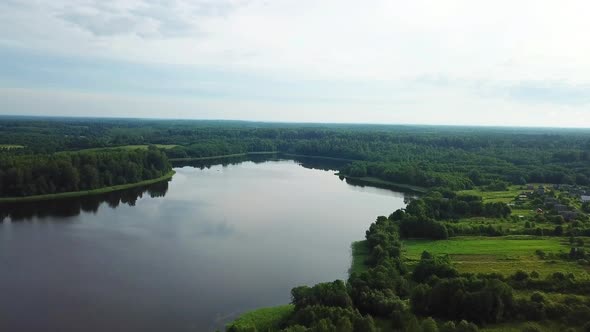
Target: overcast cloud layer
pixel 523 63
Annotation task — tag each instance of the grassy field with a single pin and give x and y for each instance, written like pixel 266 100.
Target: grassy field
pixel 264 319
pixel 86 192
pixel 360 252
pixel 496 196
pixel 483 221
pixel 132 147
pixel 503 254
pixel 10 146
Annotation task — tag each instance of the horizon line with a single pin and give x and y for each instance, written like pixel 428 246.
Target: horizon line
pixel 288 122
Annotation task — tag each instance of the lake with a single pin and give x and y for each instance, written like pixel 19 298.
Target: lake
pixel 185 255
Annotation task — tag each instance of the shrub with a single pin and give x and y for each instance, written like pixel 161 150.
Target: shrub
pixel 531 327
pixel 538 297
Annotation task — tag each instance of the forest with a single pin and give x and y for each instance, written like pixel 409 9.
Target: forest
pixel 44 174
pixel 455 158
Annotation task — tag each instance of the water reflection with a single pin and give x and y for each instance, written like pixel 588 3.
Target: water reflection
pixel 225 239
pixel 227 161
pixel 72 207
pixel 323 164
pixel 409 194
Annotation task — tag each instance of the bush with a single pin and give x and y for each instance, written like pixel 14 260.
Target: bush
pixel 429 325
pixel 538 297
pixel 448 327
pixel 531 327
pixel 465 326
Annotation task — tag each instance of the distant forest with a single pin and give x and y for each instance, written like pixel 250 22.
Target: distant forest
pixel 447 157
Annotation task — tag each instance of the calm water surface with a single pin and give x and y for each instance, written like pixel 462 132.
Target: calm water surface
pixel 187 255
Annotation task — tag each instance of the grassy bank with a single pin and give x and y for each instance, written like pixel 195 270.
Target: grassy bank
pixel 85 192
pixel 225 156
pixel 360 253
pixel 269 319
pixel 375 182
pixel 263 319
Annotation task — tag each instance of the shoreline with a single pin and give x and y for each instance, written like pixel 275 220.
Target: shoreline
pixel 71 194
pixel 376 182
pixel 273 316
pixel 224 156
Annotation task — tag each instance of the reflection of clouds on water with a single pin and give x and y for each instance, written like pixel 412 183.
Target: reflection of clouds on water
pixel 215 229
pixel 221 241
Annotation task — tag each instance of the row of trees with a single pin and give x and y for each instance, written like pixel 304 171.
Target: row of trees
pixel 443 206
pixel 40 174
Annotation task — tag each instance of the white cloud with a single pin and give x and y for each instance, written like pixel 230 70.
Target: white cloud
pixel 337 38
pixel 470 55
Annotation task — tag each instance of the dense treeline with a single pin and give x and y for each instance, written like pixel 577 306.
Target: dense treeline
pixel 450 157
pixel 41 174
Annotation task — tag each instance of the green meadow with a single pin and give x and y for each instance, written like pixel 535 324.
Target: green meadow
pixel 360 251
pixel 506 196
pixel 499 254
pixel 263 319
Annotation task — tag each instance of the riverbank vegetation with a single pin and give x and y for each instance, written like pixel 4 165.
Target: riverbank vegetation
pixel 423 268
pixel 460 283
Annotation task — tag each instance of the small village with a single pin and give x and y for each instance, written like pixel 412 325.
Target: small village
pixel 562 200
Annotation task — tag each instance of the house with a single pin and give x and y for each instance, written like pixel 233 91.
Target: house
pixel 550 201
pixel 585 198
pixel 560 207
pixel 568 215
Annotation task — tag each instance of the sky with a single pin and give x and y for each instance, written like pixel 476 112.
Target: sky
pixel 452 62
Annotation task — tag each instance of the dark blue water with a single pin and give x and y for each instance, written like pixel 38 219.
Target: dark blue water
pixel 187 255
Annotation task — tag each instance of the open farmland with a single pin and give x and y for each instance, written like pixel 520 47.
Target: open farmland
pixel 504 255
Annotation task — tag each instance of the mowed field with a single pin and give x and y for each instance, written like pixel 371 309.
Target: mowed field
pixel 496 196
pixel 499 254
